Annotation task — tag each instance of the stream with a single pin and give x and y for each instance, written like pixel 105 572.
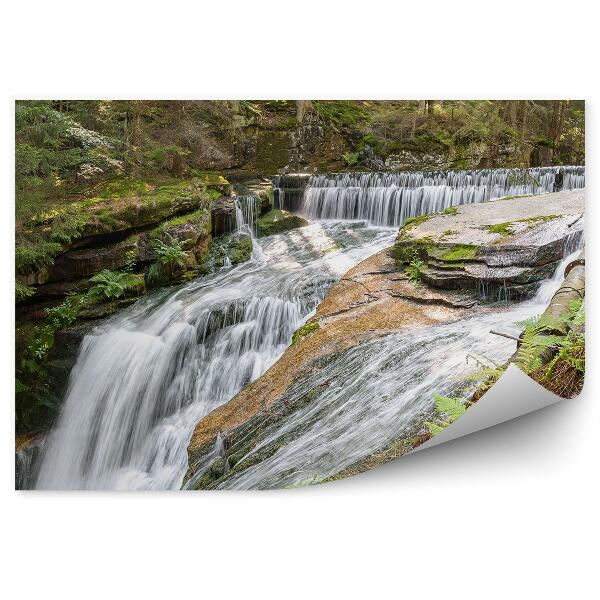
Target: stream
pixel 145 377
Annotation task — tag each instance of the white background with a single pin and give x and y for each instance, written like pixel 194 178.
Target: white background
pixel 507 513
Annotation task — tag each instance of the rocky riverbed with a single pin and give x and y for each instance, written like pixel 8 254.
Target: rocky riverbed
pixel 443 269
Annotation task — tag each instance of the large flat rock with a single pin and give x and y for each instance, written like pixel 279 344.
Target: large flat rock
pixel 377 298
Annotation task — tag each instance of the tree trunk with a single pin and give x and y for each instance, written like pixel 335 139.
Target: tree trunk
pixel 302 107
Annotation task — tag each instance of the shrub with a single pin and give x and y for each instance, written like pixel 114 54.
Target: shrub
pixel 114 284
pixel 414 270
pixel 170 259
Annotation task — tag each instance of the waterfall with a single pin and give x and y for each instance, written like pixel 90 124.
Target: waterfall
pixel 391 198
pixel 375 393
pixel 144 379
pixel 246 213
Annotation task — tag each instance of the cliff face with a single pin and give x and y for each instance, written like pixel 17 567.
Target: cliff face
pixel 507 245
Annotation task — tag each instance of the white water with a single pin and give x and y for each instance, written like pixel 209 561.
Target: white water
pixel 143 381
pixel 146 377
pixel 374 393
pixel 391 198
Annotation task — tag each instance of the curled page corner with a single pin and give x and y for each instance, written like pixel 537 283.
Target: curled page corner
pixel 513 395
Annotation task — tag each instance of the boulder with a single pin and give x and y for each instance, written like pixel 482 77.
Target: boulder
pixel 223 216
pixel 278 221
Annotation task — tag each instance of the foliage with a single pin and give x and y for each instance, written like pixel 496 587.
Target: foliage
pixel 341 112
pixel 414 270
pixel 170 258
pixel 34 403
pixel 23 291
pixel 537 339
pixel 35 255
pixel 449 409
pixel 114 284
pixel 351 158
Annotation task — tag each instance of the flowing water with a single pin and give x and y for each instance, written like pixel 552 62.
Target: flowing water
pixel 391 198
pixel 374 393
pixel 145 377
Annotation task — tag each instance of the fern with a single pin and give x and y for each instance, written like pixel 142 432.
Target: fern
pixel 414 271
pixel 113 284
pixel 450 410
pixel 170 258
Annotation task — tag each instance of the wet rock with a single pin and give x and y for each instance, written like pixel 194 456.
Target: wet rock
pixel 278 221
pixel 462 261
pixel 501 248
pixel 223 216
pixel 84 263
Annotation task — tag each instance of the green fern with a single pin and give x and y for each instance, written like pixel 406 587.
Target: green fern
pixel 449 409
pixel 170 258
pixel 414 271
pixel 113 284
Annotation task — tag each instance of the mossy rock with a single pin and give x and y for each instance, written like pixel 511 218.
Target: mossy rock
pixel 305 330
pixel 278 221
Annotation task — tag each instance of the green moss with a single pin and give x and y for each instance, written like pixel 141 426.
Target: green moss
pixel 507 228
pixel 451 210
pixel 241 250
pixel 414 221
pixel 305 330
pixel 459 252
pixel 214 193
pixel 501 228
pixel 123 186
pixel 278 221
pixel 513 197
pixel 198 217
pixel 406 251
pixel 345 113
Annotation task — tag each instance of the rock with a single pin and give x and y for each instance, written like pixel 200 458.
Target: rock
pixel 278 221
pixel 84 263
pixel 501 247
pixel 377 298
pixel 223 216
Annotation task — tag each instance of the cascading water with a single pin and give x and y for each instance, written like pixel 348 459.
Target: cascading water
pixel 391 198
pixel 246 213
pixel 145 378
pixel 374 393
pixel 148 375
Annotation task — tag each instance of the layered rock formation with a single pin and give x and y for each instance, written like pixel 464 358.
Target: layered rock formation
pixel 441 269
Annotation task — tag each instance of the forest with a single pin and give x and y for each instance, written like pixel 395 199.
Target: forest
pixel 199 284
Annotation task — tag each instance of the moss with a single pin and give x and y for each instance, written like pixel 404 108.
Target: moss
pixel 123 186
pixel 214 193
pixel 513 197
pixel 406 251
pixel 305 330
pixel 414 221
pixel 278 221
pixel 501 228
pixel 120 204
pixel 449 232
pixel 451 210
pixel 507 227
pixel 241 250
pixel 459 252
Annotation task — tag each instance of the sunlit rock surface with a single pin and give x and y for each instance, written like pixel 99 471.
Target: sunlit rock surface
pixel 376 300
